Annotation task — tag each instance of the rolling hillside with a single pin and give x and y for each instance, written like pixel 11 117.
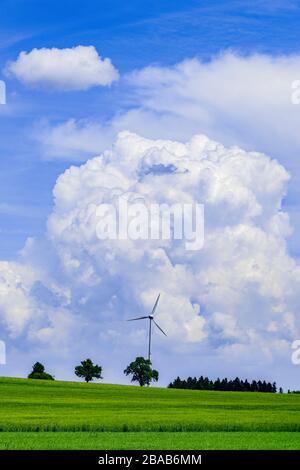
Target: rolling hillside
pixel 28 406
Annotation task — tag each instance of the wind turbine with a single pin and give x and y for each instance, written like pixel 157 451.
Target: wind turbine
pixel 151 319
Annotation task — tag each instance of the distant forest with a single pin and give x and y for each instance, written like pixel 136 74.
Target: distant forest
pixel 236 385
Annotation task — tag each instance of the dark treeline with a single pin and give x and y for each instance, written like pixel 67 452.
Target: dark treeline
pixel 236 385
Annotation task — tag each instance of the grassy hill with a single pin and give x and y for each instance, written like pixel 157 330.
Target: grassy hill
pixel 27 406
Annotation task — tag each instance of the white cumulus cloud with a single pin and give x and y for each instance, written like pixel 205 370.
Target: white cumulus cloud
pixel 77 68
pixel 236 299
pixel 237 100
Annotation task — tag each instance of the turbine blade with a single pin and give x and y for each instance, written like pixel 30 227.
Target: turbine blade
pixel 159 328
pixel 138 318
pixel 155 305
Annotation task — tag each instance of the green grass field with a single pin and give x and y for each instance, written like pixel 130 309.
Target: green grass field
pixel 44 414
pixel 150 440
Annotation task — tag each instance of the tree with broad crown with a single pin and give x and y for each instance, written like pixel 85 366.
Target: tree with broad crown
pixel 38 372
pixel 88 370
pixel 141 371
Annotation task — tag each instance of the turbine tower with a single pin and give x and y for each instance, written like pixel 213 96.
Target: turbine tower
pixel 151 319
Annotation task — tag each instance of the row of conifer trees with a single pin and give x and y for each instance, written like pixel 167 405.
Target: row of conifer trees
pixel 236 385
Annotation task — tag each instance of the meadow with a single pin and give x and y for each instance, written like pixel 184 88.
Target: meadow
pixel 46 414
pixel 149 440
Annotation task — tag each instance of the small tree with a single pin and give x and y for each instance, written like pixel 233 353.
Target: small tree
pixel 38 372
pixel 141 371
pixel 88 370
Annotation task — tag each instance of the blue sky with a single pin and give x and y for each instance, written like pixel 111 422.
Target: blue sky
pixel 134 36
